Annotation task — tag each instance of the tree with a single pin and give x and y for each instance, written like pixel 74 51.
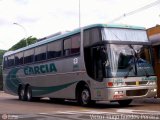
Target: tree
pixel 22 43
pixel 1 57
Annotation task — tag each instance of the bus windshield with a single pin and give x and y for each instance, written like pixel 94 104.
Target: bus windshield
pixel 130 60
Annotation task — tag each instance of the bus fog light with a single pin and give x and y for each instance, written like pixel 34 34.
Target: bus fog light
pixel 154 90
pixel 152 83
pixel 118 92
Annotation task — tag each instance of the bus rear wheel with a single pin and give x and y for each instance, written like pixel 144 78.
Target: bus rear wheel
pixel 21 93
pixel 29 93
pixel 124 102
pixel 29 96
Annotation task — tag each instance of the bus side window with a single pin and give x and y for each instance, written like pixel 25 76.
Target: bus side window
pixel 75 49
pixel 95 36
pixel 28 56
pixel 91 37
pixel 10 60
pixel 67 47
pixel 19 58
pixel 5 62
pixel 54 49
pixel 40 53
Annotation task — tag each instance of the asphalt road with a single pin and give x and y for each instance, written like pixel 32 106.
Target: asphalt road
pixel 11 108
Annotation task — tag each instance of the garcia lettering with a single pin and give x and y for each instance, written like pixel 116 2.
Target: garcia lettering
pixel 44 68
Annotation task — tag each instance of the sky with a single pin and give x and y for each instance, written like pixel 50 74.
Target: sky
pixel 40 18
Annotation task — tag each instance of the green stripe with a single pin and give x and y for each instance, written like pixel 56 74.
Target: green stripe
pixel 46 90
pixel 12 82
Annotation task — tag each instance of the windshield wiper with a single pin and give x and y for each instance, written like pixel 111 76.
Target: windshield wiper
pixel 134 61
pixel 130 68
pixel 147 75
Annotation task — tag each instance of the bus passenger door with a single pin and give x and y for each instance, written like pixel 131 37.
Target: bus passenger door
pixel 94 68
pixel 99 84
pixel 97 64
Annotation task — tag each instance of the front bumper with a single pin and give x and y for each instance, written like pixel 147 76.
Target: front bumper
pixel 123 93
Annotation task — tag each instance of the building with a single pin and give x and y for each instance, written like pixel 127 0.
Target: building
pixel 154 37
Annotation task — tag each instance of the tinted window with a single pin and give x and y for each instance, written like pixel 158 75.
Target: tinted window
pixel 5 62
pixel 86 37
pixel 54 49
pixel 91 36
pixel 40 53
pixel 72 45
pixel 75 44
pixel 67 47
pixel 10 60
pixel 28 56
pixel 95 36
pixel 19 58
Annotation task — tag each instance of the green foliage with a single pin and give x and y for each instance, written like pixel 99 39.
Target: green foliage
pixel 22 43
pixel 1 55
pixel 1 58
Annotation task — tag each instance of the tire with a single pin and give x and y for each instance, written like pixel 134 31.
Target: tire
pixel 124 102
pixel 19 93
pixel 29 94
pixel 22 93
pixel 84 97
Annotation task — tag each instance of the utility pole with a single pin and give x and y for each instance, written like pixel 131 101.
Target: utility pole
pixel 25 31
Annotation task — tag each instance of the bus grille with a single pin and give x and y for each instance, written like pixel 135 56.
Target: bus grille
pixel 134 83
pixel 136 92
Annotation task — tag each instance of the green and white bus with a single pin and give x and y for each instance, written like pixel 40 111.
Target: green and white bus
pixel 99 62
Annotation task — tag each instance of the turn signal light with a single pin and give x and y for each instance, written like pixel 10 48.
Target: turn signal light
pixel 110 84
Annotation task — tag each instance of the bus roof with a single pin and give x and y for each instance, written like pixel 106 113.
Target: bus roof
pixel 50 39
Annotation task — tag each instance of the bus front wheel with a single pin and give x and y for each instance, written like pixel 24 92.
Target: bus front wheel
pixel 84 96
pixel 124 102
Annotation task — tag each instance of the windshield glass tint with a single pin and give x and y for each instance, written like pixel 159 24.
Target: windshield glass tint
pixel 130 60
pixel 119 34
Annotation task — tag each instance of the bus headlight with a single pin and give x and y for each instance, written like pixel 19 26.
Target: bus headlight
pixel 115 84
pixel 118 84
